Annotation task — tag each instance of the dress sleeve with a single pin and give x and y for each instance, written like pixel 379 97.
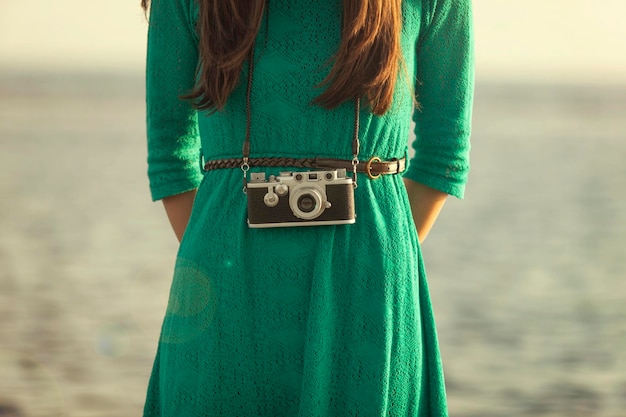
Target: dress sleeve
pixel 172 125
pixel 445 89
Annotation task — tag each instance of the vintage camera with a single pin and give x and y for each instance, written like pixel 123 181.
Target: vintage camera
pixel 308 198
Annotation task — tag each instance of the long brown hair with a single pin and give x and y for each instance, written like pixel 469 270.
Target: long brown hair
pixel 366 64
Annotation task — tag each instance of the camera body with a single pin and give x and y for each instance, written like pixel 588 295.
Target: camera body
pixel 309 198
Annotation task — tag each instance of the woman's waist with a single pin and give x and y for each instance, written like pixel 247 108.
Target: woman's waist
pixel 375 207
pixel 374 164
pixel 226 186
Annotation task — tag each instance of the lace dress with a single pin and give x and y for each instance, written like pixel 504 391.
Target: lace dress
pixel 303 321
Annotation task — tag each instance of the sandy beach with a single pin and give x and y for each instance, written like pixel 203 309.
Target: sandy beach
pixel 527 274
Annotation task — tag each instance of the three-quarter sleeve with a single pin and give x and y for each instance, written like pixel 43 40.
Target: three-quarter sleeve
pixel 444 88
pixel 172 126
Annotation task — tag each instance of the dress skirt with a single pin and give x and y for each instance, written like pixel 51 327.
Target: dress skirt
pixel 313 321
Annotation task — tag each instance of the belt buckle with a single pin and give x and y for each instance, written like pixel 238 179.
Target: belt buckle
pixel 368 167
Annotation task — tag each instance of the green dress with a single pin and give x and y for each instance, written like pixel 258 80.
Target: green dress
pixel 303 321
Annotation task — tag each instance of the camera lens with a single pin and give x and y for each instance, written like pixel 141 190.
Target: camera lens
pixel 306 203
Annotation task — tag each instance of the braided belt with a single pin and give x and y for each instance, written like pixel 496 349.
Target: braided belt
pixel 374 167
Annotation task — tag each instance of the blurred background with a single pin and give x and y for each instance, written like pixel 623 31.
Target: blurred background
pixel 527 273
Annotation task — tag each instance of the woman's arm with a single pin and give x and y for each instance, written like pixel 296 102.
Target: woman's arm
pixel 178 208
pixel 426 203
pixel 172 125
pixel 444 63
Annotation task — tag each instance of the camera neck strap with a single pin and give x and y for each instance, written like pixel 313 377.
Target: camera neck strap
pixel 245 164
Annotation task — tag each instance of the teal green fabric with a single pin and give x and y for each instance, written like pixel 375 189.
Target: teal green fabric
pixel 303 321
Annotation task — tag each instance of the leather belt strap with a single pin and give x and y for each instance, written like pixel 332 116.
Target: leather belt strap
pixel 374 167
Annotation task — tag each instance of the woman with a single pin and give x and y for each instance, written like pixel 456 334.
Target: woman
pixel 331 319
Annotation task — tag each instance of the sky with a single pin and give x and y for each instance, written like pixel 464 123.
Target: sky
pixel 545 40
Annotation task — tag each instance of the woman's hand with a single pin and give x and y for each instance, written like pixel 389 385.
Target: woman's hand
pixel 178 208
pixel 426 203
